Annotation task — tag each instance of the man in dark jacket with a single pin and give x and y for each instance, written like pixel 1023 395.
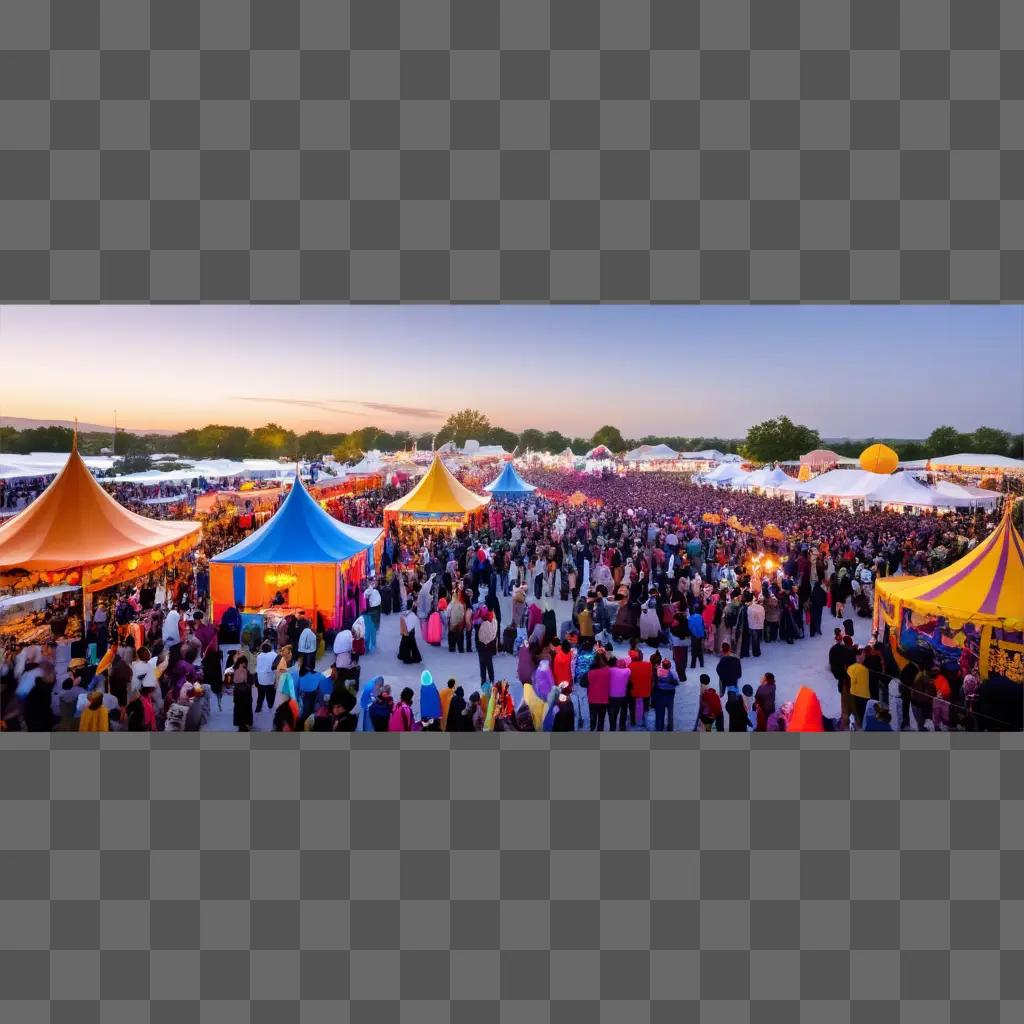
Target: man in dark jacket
pixel 818 601
pixel 764 701
pixel 729 670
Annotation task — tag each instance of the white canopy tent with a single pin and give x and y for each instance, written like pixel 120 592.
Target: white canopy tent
pixel 652 453
pixel 767 479
pixel 727 473
pixel 976 462
pixel 156 476
pixel 902 489
pixel 961 496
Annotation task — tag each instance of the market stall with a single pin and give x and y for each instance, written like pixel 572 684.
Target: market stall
pixel 438 501
pixel 970 614
pixel 76 534
pixel 301 552
pixel 508 484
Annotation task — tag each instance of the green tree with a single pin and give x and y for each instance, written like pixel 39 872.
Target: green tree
pixel 128 443
pixel 555 442
pixel 532 440
pixel 214 441
pixel 580 445
pixel 462 426
pixel 779 438
pixel 313 444
pixel 507 440
pixel 44 439
pixel 989 441
pixel 135 462
pixel 610 437
pixel 271 441
pixel 946 440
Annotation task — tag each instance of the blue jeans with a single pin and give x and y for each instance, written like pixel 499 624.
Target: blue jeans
pixel 663 710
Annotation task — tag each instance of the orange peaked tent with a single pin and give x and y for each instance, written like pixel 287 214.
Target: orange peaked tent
pixel 76 529
pixel 438 499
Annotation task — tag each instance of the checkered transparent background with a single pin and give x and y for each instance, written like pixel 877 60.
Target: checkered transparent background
pixel 612 878
pixel 536 150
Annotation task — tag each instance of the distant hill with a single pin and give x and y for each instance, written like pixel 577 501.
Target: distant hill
pixel 23 423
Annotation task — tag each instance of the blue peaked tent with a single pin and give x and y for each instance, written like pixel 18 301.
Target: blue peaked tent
pixel 509 484
pixel 300 549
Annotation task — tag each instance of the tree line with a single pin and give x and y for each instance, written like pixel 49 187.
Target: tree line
pixel 781 440
pixel 773 440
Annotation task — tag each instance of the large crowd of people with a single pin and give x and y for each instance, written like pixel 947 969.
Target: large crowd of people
pixel 650 593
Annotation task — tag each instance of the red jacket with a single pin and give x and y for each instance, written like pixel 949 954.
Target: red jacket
pixel 642 676
pixel 598 680
pixel 561 666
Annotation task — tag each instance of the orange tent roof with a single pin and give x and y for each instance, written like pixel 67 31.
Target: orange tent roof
pixel 438 491
pixel 74 523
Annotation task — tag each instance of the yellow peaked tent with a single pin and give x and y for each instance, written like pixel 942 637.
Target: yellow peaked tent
pixel 984 588
pixel 437 500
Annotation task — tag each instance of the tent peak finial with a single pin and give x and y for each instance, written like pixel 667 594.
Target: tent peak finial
pixel 74 438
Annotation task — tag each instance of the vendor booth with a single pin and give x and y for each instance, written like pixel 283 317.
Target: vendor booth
pixel 76 534
pixel 302 553
pixel 438 501
pixel 509 484
pixel 970 614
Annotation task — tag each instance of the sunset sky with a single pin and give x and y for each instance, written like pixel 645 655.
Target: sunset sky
pixel 893 371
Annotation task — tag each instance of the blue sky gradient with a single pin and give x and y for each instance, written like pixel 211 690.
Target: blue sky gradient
pixel 692 370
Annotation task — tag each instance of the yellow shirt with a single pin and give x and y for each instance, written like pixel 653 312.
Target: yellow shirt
pixel 859 680
pixel 94 720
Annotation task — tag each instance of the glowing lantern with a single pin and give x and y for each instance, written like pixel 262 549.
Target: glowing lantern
pixel 879 458
pixel 157 556
pixel 74 578
pixel 132 564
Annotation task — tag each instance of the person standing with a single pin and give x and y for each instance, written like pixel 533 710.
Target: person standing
pixel 709 707
pixel 486 647
pixel 764 701
pixel 373 601
pixel 307 646
pixel 817 602
pixel 772 613
pixel 241 694
pixel 618 688
pixel 598 692
pixel 402 717
pixel 171 634
pixel 860 687
pixel 729 670
pixel 697 636
pixel 755 625
pixel 666 682
pixel 94 717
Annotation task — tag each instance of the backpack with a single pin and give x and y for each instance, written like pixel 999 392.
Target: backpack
pixel 175 718
pixel 731 615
